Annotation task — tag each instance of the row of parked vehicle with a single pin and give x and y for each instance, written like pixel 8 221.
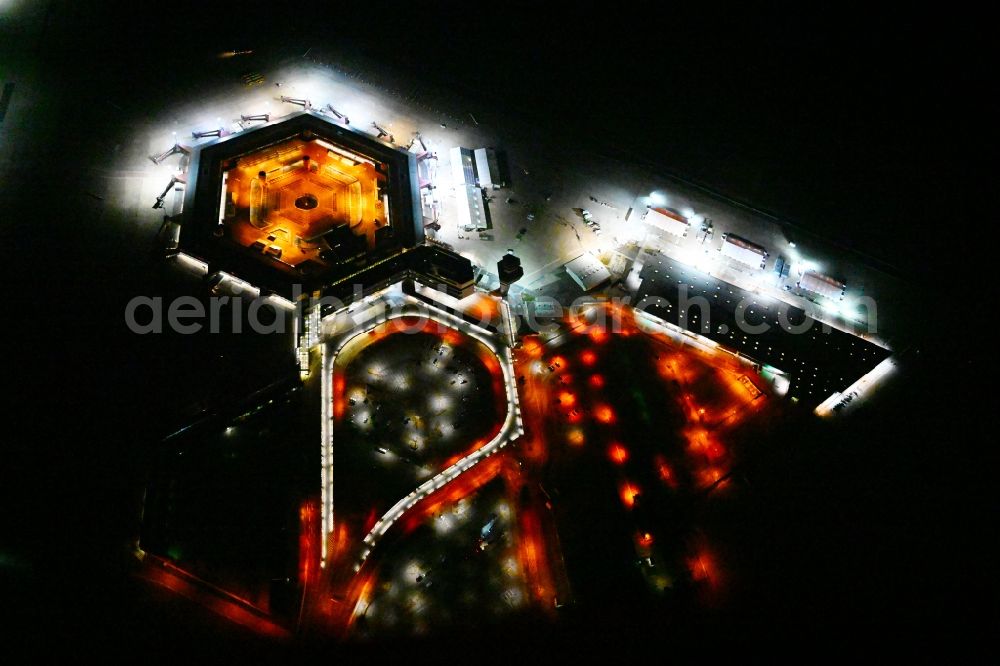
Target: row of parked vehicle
pixel 589 220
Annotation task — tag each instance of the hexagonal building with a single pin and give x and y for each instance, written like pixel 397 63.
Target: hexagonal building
pixel 300 200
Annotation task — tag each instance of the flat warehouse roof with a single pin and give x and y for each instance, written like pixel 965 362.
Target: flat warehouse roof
pixel 486 169
pixel 463 168
pixel 667 221
pixel 818 360
pixel 587 271
pixel 743 251
pixel 823 285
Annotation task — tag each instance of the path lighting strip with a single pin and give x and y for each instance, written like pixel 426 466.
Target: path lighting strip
pixel 326 456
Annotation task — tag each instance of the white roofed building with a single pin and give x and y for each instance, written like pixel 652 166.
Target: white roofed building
pixel 463 166
pixel 743 251
pixel 823 285
pixel 487 168
pixel 588 271
pixel 468 196
pixel 668 221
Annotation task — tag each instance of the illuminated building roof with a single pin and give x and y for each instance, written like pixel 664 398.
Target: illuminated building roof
pixel 301 200
pixel 822 284
pixel 587 271
pixel 744 251
pixel 664 219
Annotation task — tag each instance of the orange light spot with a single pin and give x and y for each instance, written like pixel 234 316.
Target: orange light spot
pixel 665 473
pixel 370 519
pixel 567 399
pixel 618 454
pixel 698 440
pixel 711 475
pixel 604 414
pixel 629 492
pixel 308 540
pixel 575 437
pixel 339 406
pixel 645 539
pixel 484 308
pixel 703 567
pixel 588 357
pixel 715 451
pixel 597 381
pixel 532 347
pixel 598 334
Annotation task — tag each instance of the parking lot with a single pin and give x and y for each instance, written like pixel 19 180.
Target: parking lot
pixel 819 359
pixel 459 568
pixel 409 403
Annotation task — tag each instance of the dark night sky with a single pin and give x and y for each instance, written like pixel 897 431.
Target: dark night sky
pixel 864 128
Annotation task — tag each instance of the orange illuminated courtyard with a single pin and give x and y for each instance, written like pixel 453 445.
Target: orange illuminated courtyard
pixel 307 204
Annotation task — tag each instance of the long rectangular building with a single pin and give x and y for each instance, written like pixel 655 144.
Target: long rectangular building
pixel 487 168
pixel 668 221
pixel 823 285
pixel 743 251
pixel 467 193
pixel 463 166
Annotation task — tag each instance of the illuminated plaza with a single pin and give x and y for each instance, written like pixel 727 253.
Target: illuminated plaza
pixel 285 201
